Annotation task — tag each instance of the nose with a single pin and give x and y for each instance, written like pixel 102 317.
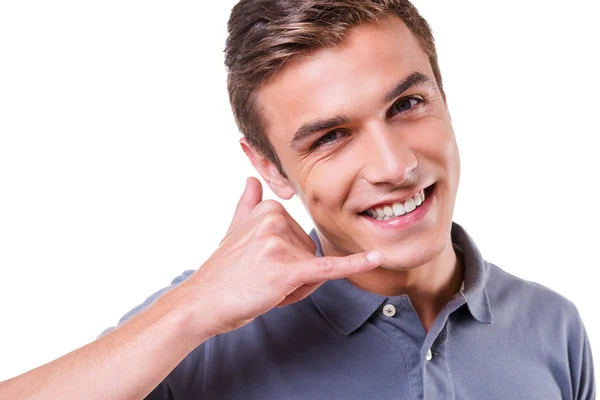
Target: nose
pixel 388 158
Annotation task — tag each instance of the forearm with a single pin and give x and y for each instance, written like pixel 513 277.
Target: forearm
pixel 127 363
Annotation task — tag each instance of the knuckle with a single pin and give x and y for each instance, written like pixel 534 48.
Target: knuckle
pixel 275 220
pixel 272 223
pixel 325 264
pixel 270 207
pixel 291 282
pixel 353 262
pixel 281 279
pixel 271 245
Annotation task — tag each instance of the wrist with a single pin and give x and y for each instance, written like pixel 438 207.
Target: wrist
pixel 191 313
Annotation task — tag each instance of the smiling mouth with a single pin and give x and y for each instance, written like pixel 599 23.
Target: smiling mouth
pixel 383 212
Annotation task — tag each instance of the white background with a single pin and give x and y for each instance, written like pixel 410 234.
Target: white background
pixel 120 165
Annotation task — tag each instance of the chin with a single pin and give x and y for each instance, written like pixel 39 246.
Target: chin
pixel 413 252
pixel 411 240
pixel 410 257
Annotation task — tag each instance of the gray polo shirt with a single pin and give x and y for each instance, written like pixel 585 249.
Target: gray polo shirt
pixel 500 337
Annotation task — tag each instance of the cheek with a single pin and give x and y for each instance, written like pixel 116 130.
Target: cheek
pixel 328 185
pixel 450 155
pixel 440 145
pixel 442 151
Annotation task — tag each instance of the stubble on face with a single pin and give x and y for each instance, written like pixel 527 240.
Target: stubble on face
pixel 381 148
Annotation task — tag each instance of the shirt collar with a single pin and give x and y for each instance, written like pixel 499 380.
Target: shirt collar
pixel 476 275
pixel 347 307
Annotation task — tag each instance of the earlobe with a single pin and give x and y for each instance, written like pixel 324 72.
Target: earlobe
pixel 281 187
pixel 279 184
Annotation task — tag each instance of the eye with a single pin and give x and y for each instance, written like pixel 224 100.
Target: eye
pixel 405 104
pixel 328 139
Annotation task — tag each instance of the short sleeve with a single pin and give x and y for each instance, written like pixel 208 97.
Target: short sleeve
pixel 581 363
pixel 149 301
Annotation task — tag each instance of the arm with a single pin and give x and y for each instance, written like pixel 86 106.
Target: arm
pixel 266 260
pixel 127 363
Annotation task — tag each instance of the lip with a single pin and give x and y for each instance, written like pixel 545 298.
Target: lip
pixel 397 199
pixel 407 220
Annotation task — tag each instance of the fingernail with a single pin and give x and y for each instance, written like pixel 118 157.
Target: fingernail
pixel 374 257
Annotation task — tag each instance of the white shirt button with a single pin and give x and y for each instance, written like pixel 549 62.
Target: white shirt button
pixel 429 355
pixel 389 310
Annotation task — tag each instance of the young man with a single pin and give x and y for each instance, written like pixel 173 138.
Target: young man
pixel 341 103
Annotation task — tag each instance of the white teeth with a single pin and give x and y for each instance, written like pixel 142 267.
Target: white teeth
pixel 410 205
pixel 397 209
pixel 417 199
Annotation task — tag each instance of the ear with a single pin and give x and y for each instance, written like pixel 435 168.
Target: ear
pixel 278 183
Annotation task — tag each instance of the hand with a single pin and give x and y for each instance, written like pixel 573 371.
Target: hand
pixel 266 260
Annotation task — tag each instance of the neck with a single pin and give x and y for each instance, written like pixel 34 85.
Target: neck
pixel 430 286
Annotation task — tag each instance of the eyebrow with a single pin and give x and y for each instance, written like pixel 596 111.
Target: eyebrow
pixel 310 128
pixel 414 79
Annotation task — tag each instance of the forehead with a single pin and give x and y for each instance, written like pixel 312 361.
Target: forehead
pixel 348 79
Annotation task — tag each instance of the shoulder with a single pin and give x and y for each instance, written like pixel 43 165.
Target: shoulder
pixel 508 288
pixel 551 325
pixel 514 298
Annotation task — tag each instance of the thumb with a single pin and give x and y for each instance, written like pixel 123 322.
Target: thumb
pixel 251 197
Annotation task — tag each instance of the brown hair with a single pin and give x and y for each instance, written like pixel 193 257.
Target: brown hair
pixel 265 34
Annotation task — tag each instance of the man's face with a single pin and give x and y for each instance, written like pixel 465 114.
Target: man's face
pixel 362 126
